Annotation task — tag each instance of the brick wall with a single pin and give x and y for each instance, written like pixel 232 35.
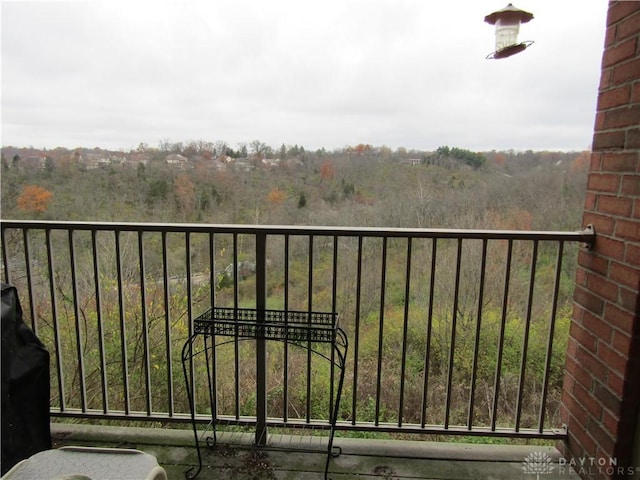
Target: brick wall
pixel 602 381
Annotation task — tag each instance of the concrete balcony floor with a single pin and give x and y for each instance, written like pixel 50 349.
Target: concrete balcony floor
pixel 361 458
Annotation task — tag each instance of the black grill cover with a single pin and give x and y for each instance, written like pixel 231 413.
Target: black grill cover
pixel 25 386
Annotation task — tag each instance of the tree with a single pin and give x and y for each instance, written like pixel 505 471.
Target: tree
pixel 185 194
pixel 276 196
pixel 327 171
pixel 34 199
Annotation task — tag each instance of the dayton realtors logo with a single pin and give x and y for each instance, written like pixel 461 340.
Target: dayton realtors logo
pixel 540 463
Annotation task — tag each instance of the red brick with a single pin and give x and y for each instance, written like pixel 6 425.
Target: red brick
pixel 611 358
pixel 589 301
pixel 592 364
pixel 624 275
pixel 606 398
pixel 633 138
pixel 602 438
pixel 604 224
pixel 635 92
pixel 628 229
pixel 619 53
pixel 620 162
pixel 619 318
pixel 584 337
pixel 604 182
pixel 580 279
pixel 592 406
pixel 577 374
pixel 610 422
pixel 625 72
pixel 603 287
pixel 615 383
pixel 621 343
pixel 609 247
pixel 615 205
pixel 595 162
pixel 619 10
pixel 572 348
pixel 632 255
pixel 630 185
pixel 636 208
pixel 627 27
pixel 586 446
pixel 609 140
pixel 629 299
pixel 590 201
pixel 625 116
pixel 597 327
pixel 605 78
pixel 599 121
pixel 593 262
pixel 575 408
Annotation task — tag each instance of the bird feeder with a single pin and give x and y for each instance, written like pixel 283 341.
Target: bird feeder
pixel 507 22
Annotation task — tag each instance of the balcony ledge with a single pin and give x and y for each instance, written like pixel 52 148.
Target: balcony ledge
pixel 389 459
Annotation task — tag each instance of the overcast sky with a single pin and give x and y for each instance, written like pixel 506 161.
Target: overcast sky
pixel 321 73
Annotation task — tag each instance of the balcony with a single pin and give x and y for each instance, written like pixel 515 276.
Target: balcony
pixel 453 335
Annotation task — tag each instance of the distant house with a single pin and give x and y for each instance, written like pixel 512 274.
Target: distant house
pixel 177 160
pixel 271 162
pixel 34 162
pixel 136 159
pixel 95 160
pixel 411 161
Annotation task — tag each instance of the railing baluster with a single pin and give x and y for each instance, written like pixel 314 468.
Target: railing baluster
pixel 356 334
pixel 383 286
pixel 213 391
pixel 427 351
pixel 261 344
pixel 27 264
pixel 54 316
pixel 285 380
pixel 167 325
pixel 552 327
pixel 454 324
pixel 503 322
pixel 405 328
pixel 236 347
pixel 101 346
pixel 145 325
pixel 334 308
pixel 525 339
pixel 123 330
pixel 76 313
pixel 309 309
pixel 476 345
pixel 187 258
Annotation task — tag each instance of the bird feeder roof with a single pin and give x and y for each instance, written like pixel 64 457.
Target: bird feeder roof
pixel 509 12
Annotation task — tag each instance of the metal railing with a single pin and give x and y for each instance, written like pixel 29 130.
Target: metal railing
pixel 451 331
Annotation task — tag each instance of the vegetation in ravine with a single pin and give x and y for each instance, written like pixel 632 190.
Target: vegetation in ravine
pixel 355 186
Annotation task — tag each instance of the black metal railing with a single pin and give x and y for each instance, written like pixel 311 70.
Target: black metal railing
pixel 450 331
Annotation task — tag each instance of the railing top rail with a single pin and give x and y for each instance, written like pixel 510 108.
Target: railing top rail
pixel 587 235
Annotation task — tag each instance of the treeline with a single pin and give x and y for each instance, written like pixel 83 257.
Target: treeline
pixel 359 186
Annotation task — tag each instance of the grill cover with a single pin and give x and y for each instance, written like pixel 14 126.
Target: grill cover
pixel 25 386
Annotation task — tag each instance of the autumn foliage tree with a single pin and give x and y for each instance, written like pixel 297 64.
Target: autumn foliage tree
pixel 34 199
pixel 276 196
pixel 327 170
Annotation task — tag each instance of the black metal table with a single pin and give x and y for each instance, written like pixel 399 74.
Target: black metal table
pixel 307 330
